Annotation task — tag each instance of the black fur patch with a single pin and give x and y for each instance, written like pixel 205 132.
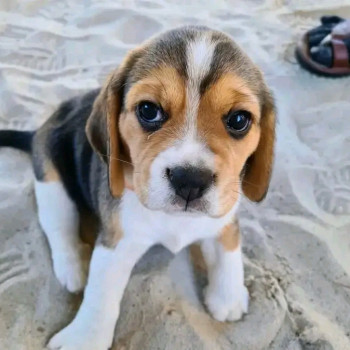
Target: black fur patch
pixel 70 150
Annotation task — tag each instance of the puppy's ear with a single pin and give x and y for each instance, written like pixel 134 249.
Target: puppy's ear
pixel 102 127
pixel 258 168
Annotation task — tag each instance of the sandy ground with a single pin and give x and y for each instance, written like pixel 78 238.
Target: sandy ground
pixel 296 244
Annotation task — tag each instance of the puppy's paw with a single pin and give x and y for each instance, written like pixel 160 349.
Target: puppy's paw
pixel 77 337
pixel 71 267
pixel 229 307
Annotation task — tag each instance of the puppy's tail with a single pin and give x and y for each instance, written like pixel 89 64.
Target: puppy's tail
pixel 17 139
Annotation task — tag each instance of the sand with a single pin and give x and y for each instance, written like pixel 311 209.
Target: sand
pixel 296 244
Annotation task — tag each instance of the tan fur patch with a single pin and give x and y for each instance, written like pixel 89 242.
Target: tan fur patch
pixel 88 227
pixel 230 237
pixel 257 177
pixel 113 233
pixel 230 92
pixel 115 168
pixel 50 172
pixel 163 86
pixel 197 258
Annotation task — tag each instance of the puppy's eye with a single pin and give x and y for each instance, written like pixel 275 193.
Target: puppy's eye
pixel 149 112
pixel 150 115
pixel 238 122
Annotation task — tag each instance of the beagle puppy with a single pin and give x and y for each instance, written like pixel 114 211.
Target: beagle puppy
pixel 162 154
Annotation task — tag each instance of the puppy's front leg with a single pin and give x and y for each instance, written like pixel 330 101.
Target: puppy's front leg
pixel 226 296
pixel 93 326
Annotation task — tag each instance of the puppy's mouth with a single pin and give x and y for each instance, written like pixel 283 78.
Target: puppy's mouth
pixel 196 206
pixel 178 206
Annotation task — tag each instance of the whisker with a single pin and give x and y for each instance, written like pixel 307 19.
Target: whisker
pixel 121 160
pixel 250 183
pixel 247 182
pixel 237 192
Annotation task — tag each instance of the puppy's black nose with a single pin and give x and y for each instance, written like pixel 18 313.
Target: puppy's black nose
pixel 189 182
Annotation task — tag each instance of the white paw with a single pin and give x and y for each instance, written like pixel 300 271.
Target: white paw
pixel 71 267
pixel 78 337
pixel 227 306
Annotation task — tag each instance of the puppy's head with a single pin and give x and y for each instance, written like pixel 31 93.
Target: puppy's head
pixel 193 116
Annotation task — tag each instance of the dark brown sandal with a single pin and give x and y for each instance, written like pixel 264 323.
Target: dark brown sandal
pixel 340 66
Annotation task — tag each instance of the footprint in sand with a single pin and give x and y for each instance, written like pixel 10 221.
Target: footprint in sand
pixel 332 190
pixel 14 268
pixel 324 193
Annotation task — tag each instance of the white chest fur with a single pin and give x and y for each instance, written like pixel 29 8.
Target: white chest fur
pixel 175 231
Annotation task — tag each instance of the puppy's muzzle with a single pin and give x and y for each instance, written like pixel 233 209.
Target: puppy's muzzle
pixel 190 183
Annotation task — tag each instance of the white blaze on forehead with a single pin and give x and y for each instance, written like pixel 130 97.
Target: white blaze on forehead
pixel 188 150
pixel 199 57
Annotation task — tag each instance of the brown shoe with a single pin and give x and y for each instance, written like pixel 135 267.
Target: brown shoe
pixel 338 63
